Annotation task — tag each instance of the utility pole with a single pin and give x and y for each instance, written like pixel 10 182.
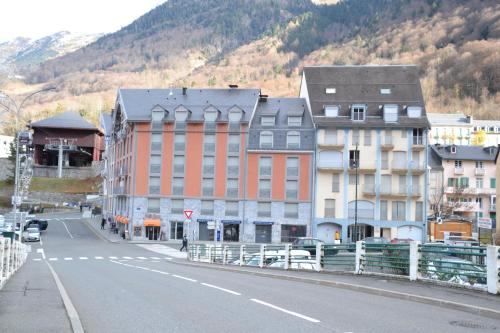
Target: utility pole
pixel 355 165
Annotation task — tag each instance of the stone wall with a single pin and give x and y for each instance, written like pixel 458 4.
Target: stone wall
pixel 53 198
pixel 68 172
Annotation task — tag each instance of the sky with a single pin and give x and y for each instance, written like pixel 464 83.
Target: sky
pixel 39 18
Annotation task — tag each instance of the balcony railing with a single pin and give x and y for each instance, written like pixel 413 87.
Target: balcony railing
pixel 399 165
pixel 331 143
pixel 416 190
pixel 385 190
pixel 387 143
pixel 479 172
pixel 417 166
pixel 369 188
pixel 459 170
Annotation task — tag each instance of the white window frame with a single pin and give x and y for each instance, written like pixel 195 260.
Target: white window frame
pixel 267 134
pixel 356 109
pixel 293 134
pixel 294 121
pixel 331 111
pixel 266 121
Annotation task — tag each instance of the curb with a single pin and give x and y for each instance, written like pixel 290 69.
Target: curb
pixel 477 310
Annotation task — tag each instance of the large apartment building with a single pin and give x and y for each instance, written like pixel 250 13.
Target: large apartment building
pixel 372 116
pixel 191 149
pixel 465 181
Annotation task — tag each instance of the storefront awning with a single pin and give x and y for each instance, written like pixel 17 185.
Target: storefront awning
pixel 152 222
pixel 263 223
pixel 230 221
pixel 118 218
pixel 124 220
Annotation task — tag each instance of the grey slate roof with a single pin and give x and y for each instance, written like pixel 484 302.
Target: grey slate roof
pixel 138 103
pixel 361 85
pixel 449 119
pixel 282 108
pixel 473 153
pixel 68 120
pixel 106 123
pixel 434 161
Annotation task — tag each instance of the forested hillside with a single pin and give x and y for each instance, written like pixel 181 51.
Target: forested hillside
pixel 265 43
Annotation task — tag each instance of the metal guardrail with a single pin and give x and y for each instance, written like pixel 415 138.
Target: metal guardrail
pixel 339 257
pixel 387 258
pixel 13 255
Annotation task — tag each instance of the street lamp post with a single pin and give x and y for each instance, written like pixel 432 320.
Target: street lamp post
pixel 355 165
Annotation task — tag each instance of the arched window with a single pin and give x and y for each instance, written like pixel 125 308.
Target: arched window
pixel 366 209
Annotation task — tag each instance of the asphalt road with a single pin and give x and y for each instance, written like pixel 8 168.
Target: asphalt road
pixel 137 290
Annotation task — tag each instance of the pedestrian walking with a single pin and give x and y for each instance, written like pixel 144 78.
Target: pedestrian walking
pixel 184 243
pixel 103 223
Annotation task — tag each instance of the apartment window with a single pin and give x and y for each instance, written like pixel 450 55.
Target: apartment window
pixel 267 121
pixel 293 139
pixel 153 205
pixel 414 111
pixel 292 210
pixel 179 142
pixel 368 137
pixel 458 164
pixel 234 116
pixel 155 164
pixel 208 165
pixel 419 211
pixel 232 188
pixel 179 162
pixel 387 139
pixel 336 183
pixel 402 184
pixel 493 183
pixel 292 167
pixel 154 185
pixel 385 91
pixel 391 113
pixel 294 121
pixel 234 143
pixel 292 187
pixel 265 166
pixel 353 158
pixel 398 210
pixel 331 137
pixel 418 138
pixel 355 137
pixel 479 183
pixel 207 207
pixel 264 188
pixel 156 140
pixel 452 182
pixel 211 115
pixel 329 207
pixel 266 139
pixel 233 166
pixel 479 164
pixel 178 186
pixel 329 91
pixel 386 187
pixel 464 182
pixel 181 114
pixel 453 149
pixel 383 210
pixel 332 111
pixel 385 160
pixel 208 186
pixel 358 112
pixel 264 209
pixel 157 119
pixel 209 143
pixel 479 201
pixel 232 208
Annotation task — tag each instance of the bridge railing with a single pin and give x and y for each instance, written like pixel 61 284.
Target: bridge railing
pixel 13 255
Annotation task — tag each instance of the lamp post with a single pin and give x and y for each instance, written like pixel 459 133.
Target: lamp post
pixel 17 109
pixel 355 165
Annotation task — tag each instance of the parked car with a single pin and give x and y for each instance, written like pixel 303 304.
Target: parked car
pixel 401 241
pixel 456 270
pixel 272 256
pixel 31 235
pixel 309 244
pixel 43 224
pixel 306 264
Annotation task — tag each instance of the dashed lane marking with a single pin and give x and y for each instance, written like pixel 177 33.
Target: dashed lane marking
pixel 142 258
pixel 98 258
pixel 37 259
pixel 184 278
pixel 128 258
pixel 155 258
pixel 68 258
pixel 285 310
pixel 114 258
pixel 53 259
pixel 222 289
pixel 83 258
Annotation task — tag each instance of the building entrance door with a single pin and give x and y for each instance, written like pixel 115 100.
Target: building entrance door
pixel 153 233
pixel 205 234
pixel 231 232
pixel 176 229
pixel 263 233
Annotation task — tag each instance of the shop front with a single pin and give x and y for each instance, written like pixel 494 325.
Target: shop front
pixel 153 228
pixel 263 231
pixel 231 232
pixel 205 232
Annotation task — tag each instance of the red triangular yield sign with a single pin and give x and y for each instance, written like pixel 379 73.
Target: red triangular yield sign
pixel 188 213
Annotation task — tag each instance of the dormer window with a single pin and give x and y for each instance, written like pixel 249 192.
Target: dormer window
pixel 391 113
pixel 453 149
pixel 414 111
pixel 294 121
pixel 358 112
pixel 385 91
pixel 181 114
pixel 267 120
pixel 332 110
pixel 211 115
pixel 329 91
pixel 234 116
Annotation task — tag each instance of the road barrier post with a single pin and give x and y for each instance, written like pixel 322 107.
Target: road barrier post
pixel 287 256
pixel 493 269
pixel 197 253
pixel 319 254
pixel 242 255
pixel 414 258
pixel 7 263
pixel 2 257
pixel 262 253
pixel 224 255
pixel 360 257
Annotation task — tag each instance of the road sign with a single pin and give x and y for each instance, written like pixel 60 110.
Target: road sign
pixel 484 223
pixel 188 213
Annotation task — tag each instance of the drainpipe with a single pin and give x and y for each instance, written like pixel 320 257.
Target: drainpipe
pixel 131 226
pixel 314 183
pixel 245 168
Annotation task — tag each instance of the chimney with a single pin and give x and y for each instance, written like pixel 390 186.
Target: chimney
pixel 263 98
pixel 233 86
pixel 184 90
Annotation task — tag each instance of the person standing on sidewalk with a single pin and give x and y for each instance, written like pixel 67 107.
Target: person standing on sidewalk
pixel 184 243
pixel 103 223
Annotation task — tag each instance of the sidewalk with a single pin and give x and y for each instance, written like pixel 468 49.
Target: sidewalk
pixel 32 293
pixel 478 302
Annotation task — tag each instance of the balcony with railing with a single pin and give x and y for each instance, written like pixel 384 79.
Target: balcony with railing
pixel 387 143
pixel 466 207
pixel 418 143
pixel 417 167
pixel 479 172
pixel 415 190
pixel 331 144
pixel 365 166
pixel 459 170
pixel 399 166
pixel 369 189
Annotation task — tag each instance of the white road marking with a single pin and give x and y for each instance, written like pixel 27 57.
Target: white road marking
pixel 142 258
pixel 52 259
pixel 165 250
pixel 68 258
pixel 222 289
pixel 98 258
pixel 113 258
pixel 41 252
pixel 69 233
pixel 155 258
pixel 83 258
pixel 286 311
pixel 128 258
pixel 161 272
pixel 154 261
pixel 184 278
pixel 167 258
pixel 143 268
pixel 41 241
pixel 37 259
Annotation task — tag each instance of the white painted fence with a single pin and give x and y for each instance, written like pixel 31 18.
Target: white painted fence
pixel 13 255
